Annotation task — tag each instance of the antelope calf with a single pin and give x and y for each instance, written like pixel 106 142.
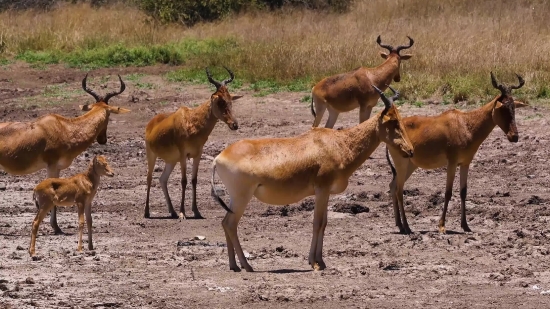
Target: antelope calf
pixel 282 171
pixel 53 141
pixel 451 139
pixel 347 91
pixel 180 135
pixel 78 190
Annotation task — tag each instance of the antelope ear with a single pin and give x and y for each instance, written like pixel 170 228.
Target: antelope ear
pixel 383 55
pixel 519 104
pixel 86 107
pixel 388 115
pixel 236 97
pixel 118 110
pixel 406 57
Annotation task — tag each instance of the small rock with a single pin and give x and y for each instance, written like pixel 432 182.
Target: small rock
pixel 96 258
pixel 20 248
pixel 535 287
pixel 2 186
pixel 530 176
pixel 29 280
pixel 547 292
pixel 199 237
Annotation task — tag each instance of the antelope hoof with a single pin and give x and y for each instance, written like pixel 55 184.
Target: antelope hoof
pixel 79 249
pixel 174 215
pixel 31 252
pixel 58 231
pixel 235 269
pixel 182 216
pixel 248 269
pixel 442 230
pixel 147 215
pixel 90 246
pixel 319 266
pixel 466 228
pixel 198 215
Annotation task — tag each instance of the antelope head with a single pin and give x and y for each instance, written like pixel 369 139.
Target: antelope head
pixel 504 110
pixel 395 52
pixel 222 102
pixel 103 102
pixel 391 129
pixel 102 167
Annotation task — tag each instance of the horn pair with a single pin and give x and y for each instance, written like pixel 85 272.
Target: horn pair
pixel 505 89
pixel 108 96
pixel 388 102
pixel 398 49
pixel 217 83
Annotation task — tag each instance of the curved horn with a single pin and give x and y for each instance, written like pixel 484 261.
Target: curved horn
pixel 521 82
pixel 395 92
pixel 401 47
pixel 90 91
pixel 232 76
pixel 496 85
pixel 388 47
pixel 114 93
pixel 212 80
pixel 387 102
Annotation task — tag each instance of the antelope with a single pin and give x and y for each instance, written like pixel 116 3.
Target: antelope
pixel 347 91
pixel 281 171
pixel 451 139
pixel 53 141
pixel 78 190
pixel 180 135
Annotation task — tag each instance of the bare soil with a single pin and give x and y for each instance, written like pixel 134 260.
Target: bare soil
pixel 158 263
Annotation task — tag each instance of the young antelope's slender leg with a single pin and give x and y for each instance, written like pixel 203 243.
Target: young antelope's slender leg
pixel 168 168
pixel 393 194
pixel 230 248
pixel 195 172
pixel 80 208
pixel 319 224
pixel 183 166
pixel 230 223
pixel 332 117
pixel 88 212
pixel 320 108
pixel 53 172
pixel 42 212
pixel 451 171
pixel 151 158
pixel 463 190
pixel 401 179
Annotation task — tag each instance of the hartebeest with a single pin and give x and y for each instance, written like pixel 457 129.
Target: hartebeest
pixel 347 91
pixel 78 190
pixel 281 171
pixel 53 141
pixel 451 139
pixel 180 135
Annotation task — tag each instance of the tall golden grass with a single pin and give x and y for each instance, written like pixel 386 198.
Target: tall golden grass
pixel 457 42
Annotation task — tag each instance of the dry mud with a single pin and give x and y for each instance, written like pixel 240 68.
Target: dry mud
pixel 157 263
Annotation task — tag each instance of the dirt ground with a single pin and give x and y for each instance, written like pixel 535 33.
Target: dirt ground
pixel 158 263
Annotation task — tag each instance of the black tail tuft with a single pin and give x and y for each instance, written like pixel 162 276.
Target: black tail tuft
pixel 393 171
pixel 35 201
pixel 213 192
pixel 312 109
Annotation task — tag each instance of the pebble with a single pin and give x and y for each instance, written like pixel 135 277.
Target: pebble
pixel 29 280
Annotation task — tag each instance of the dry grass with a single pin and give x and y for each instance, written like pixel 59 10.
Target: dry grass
pixel 457 42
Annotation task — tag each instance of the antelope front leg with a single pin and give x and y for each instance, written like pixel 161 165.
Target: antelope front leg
pixel 53 172
pixel 183 165
pixel 319 224
pixel 393 194
pixel 451 171
pixel 151 158
pixel 332 117
pixel 364 112
pixel 80 226
pixel 88 211
pixel 463 189
pixel 195 209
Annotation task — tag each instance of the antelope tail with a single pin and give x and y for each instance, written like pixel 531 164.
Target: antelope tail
pixel 35 200
pixel 312 109
pixel 393 171
pixel 214 194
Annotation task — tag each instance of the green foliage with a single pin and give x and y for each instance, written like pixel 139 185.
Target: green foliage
pixel 306 98
pixel 543 92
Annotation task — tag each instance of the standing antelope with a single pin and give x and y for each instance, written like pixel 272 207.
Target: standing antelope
pixel 451 139
pixel 347 91
pixel 53 141
pixel 180 135
pixel 281 171
pixel 78 190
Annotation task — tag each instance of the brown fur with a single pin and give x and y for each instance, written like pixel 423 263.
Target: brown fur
pixel 52 142
pixel 450 139
pixel 78 190
pixel 347 91
pixel 181 135
pixel 281 171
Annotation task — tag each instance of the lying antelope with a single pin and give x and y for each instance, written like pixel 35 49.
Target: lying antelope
pixel 180 135
pixel 451 139
pixel 347 91
pixel 282 171
pixel 53 141
pixel 78 190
